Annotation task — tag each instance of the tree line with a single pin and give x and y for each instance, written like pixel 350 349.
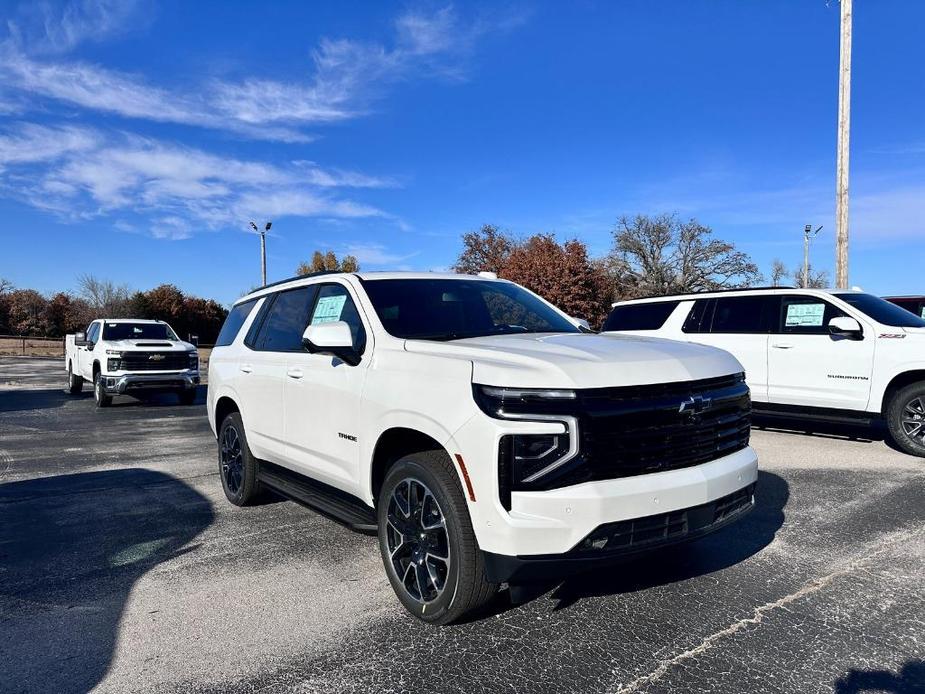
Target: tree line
pixel 28 312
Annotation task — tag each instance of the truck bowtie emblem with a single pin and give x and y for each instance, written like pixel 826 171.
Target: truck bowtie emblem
pixel 695 405
pixel 156 357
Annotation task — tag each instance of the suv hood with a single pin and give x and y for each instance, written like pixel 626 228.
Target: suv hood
pixel 150 345
pixel 572 360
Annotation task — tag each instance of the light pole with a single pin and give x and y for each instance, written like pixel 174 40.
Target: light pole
pixel 841 166
pixel 808 235
pixel 263 251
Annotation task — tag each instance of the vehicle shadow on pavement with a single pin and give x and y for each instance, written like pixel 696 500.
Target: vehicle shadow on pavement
pixel 36 399
pixel 71 549
pixel 876 433
pixel 715 552
pixel 910 679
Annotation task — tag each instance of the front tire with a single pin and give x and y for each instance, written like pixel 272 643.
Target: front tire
pixel 75 383
pixel 236 465
pixel 428 547
pixel 906 419
pixel 99 392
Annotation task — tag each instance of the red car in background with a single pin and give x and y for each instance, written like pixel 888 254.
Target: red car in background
pixel 913 304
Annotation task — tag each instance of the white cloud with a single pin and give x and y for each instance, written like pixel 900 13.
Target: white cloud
pixel 44 27
pixel 80 173
pixel 375 254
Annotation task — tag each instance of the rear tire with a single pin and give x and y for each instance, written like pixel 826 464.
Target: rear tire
pixel 905 418
pixel 99 393
pixel 237 467
pixel 428 547
pixel 187 396
pixel 75 383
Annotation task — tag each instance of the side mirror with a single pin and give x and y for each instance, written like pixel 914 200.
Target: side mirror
pixel 843 326
pixel 583 324
pixel 332 338
pixel 80 339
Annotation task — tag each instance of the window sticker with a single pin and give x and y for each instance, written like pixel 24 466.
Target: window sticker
pixel 328 309
pixel 804 315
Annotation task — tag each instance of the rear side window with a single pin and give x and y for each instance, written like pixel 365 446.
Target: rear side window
pixel 647 316
pixel 233 323
pixel 806 315
pixel 743 314
pixel 285 321
pixel 698 320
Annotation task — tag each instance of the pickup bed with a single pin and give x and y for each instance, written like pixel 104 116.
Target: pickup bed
pixel 129 356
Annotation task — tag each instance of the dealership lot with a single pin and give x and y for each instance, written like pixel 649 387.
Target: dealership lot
pixel 122 567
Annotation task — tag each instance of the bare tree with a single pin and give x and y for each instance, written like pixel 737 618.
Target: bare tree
pixel 817 279
pixel 778 272
pixel 663 255
pixel 104 297
pixel 487 249
pixel 5 285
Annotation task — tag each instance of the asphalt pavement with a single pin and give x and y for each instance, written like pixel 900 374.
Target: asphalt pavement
pixel 124 569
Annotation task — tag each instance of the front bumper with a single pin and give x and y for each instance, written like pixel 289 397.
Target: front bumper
pixel 612 542
pixel 127 383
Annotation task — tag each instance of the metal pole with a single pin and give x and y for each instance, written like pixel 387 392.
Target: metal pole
pixel 263 258
pixel 844 129
pixel 806 232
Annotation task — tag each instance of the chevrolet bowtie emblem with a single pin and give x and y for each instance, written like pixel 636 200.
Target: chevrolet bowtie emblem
pixel 695 405
pixel 156 357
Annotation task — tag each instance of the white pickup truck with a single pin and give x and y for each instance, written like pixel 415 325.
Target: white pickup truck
pixel 127 356
pixel 475 427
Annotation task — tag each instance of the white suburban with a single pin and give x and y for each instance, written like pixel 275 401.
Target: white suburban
pixel 126 356
pixel 810 353
pixel 484 435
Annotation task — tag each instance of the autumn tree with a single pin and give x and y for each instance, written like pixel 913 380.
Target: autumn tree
pixel 487 249
pixel 26 312
pixel 327 261
pixel 66 314
pixel 664 255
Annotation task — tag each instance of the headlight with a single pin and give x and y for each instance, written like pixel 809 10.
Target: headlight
pixel 194 360
pixel 113 364
pixel 503 402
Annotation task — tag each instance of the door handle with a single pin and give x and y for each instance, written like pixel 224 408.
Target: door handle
pixel 246 368
pixel 783 345
pixel 294 373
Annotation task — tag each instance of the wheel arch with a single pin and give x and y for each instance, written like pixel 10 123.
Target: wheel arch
pixel 899 382
pixel 392 445
pixel 224 406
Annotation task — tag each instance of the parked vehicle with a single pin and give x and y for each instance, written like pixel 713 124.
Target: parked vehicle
pixel 126 356
pixel 915 304
pixel 476 428
pixel 817 354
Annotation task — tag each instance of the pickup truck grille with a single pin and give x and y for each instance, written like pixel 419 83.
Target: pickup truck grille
pixel 155 361
pixel 645 429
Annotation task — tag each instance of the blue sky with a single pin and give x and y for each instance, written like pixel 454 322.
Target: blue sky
pixel 138 140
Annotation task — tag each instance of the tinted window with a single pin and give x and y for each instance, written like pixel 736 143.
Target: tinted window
pixel 882 311
pixel 251 338
pixel 286 320
pixel 334 304
pixel 647 316
pixel 742 314
pixel 698 320
pixel 138 331
pixel 236 317
pixel 445 309
pixel 806 315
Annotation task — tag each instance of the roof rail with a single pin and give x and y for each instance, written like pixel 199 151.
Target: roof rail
pixel 712 291
pixel 298 277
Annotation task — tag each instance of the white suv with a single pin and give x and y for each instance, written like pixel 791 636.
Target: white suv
pixel 479 430
pixel 819 354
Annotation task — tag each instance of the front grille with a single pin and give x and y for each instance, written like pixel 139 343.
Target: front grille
pixel 162 361
pixel 664 528
pixel 646 429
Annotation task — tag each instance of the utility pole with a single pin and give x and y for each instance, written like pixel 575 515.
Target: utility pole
pixel 844 130
pixel 808 235
pixel 263 251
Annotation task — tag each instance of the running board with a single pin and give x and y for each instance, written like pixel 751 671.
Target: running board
pixel 812 414
pixel 334 503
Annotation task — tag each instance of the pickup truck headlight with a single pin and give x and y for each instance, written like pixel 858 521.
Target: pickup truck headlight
pixel 113 360
pixel 194 360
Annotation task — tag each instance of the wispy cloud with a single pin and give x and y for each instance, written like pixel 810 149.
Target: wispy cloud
pixel 346 75
pixel 375 254
pixel 81 172
pixel 44 27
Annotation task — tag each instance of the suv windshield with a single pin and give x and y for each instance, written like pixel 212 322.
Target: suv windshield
pixel 443 309
pixel 882 311
pixel 138 331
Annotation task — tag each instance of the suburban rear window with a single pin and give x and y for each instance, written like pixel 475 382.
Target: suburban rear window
pixel 647 316
pixel 233 323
